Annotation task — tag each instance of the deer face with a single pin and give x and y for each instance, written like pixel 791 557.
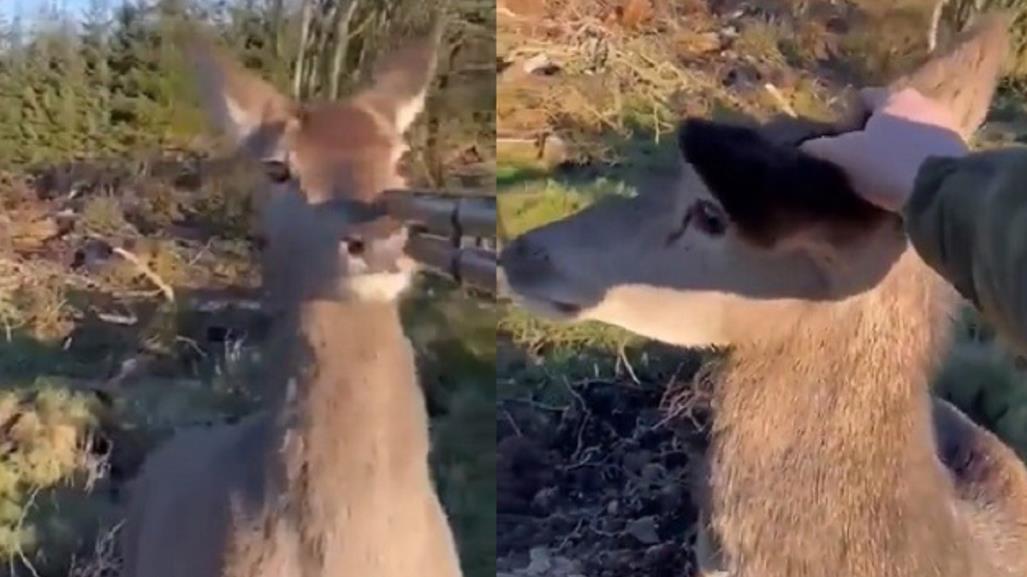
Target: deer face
pixel 748 224
pixel 325 166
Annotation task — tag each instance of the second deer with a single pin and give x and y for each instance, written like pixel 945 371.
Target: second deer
pixel 829 456
pixel 332 480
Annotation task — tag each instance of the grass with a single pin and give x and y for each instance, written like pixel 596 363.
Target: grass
pixel 762 41
pixel 46 430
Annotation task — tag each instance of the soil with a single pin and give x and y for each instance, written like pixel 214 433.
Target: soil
pixel 598 486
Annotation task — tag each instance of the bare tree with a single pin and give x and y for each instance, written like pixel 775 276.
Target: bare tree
pixel 305 22
pixel 342 40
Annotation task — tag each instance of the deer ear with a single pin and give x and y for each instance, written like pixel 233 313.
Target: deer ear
pixel 241 105
pixel 401 81
pixel 963 77
pixel 771 191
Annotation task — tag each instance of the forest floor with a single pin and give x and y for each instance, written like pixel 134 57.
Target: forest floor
pixel 598 430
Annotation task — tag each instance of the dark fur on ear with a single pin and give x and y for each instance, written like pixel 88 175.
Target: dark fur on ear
pixel 771 191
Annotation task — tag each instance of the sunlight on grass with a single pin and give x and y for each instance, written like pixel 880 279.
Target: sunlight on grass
pixel 532 205
pixel 44 428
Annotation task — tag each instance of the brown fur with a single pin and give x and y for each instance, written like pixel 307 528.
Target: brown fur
pixel 332 480
pixel 829 388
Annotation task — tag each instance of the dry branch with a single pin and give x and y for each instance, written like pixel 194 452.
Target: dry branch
pixel 169 293
pixel 780 100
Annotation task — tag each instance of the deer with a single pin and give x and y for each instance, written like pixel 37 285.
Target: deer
pixel 827 453
pixel 331 478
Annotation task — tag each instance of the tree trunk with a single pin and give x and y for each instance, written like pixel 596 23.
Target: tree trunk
pixel 342 22
pixel 299 73
pixel 932 34
pixel 277 15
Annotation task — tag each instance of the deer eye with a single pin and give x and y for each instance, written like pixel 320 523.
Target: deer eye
pixel 708 218
pixel 277 171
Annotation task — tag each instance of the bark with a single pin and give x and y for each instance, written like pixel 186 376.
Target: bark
pixel 300 72
pixel 342 24
pixel 932 34
pixel 277 15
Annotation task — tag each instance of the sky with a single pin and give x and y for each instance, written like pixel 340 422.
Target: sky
pixel 31 8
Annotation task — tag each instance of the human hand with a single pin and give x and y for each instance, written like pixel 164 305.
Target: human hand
pixel 883 159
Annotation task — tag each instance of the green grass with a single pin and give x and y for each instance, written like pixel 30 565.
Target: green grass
pixel 529 205
pixel 45 429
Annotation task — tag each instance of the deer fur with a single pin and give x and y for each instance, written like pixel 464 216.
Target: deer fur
pixel 332 478
pixel 828 455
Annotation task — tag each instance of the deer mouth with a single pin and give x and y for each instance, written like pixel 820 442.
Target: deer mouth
pixel 540 289
pixel 558 310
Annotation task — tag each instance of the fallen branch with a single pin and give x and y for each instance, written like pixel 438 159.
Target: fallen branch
pixel 169 293
pixel 780 99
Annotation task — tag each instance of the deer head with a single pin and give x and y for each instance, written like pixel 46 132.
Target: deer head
pixel 325 165
pixel 751 226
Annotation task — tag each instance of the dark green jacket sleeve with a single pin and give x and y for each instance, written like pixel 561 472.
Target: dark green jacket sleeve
pixel 968 220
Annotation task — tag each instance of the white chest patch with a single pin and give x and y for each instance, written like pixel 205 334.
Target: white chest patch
pixel 380 287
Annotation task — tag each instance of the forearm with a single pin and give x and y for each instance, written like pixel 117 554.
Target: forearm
pixel 968 220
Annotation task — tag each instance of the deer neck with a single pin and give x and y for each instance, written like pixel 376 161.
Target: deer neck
pixel 352 420
pixel 823 456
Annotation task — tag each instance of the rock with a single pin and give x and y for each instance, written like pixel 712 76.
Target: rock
pixel 659 553
pixel 545 499
pixel 555 150
pixel 652 473
pixel 540 64
pixel 644 529
pixel 540 562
